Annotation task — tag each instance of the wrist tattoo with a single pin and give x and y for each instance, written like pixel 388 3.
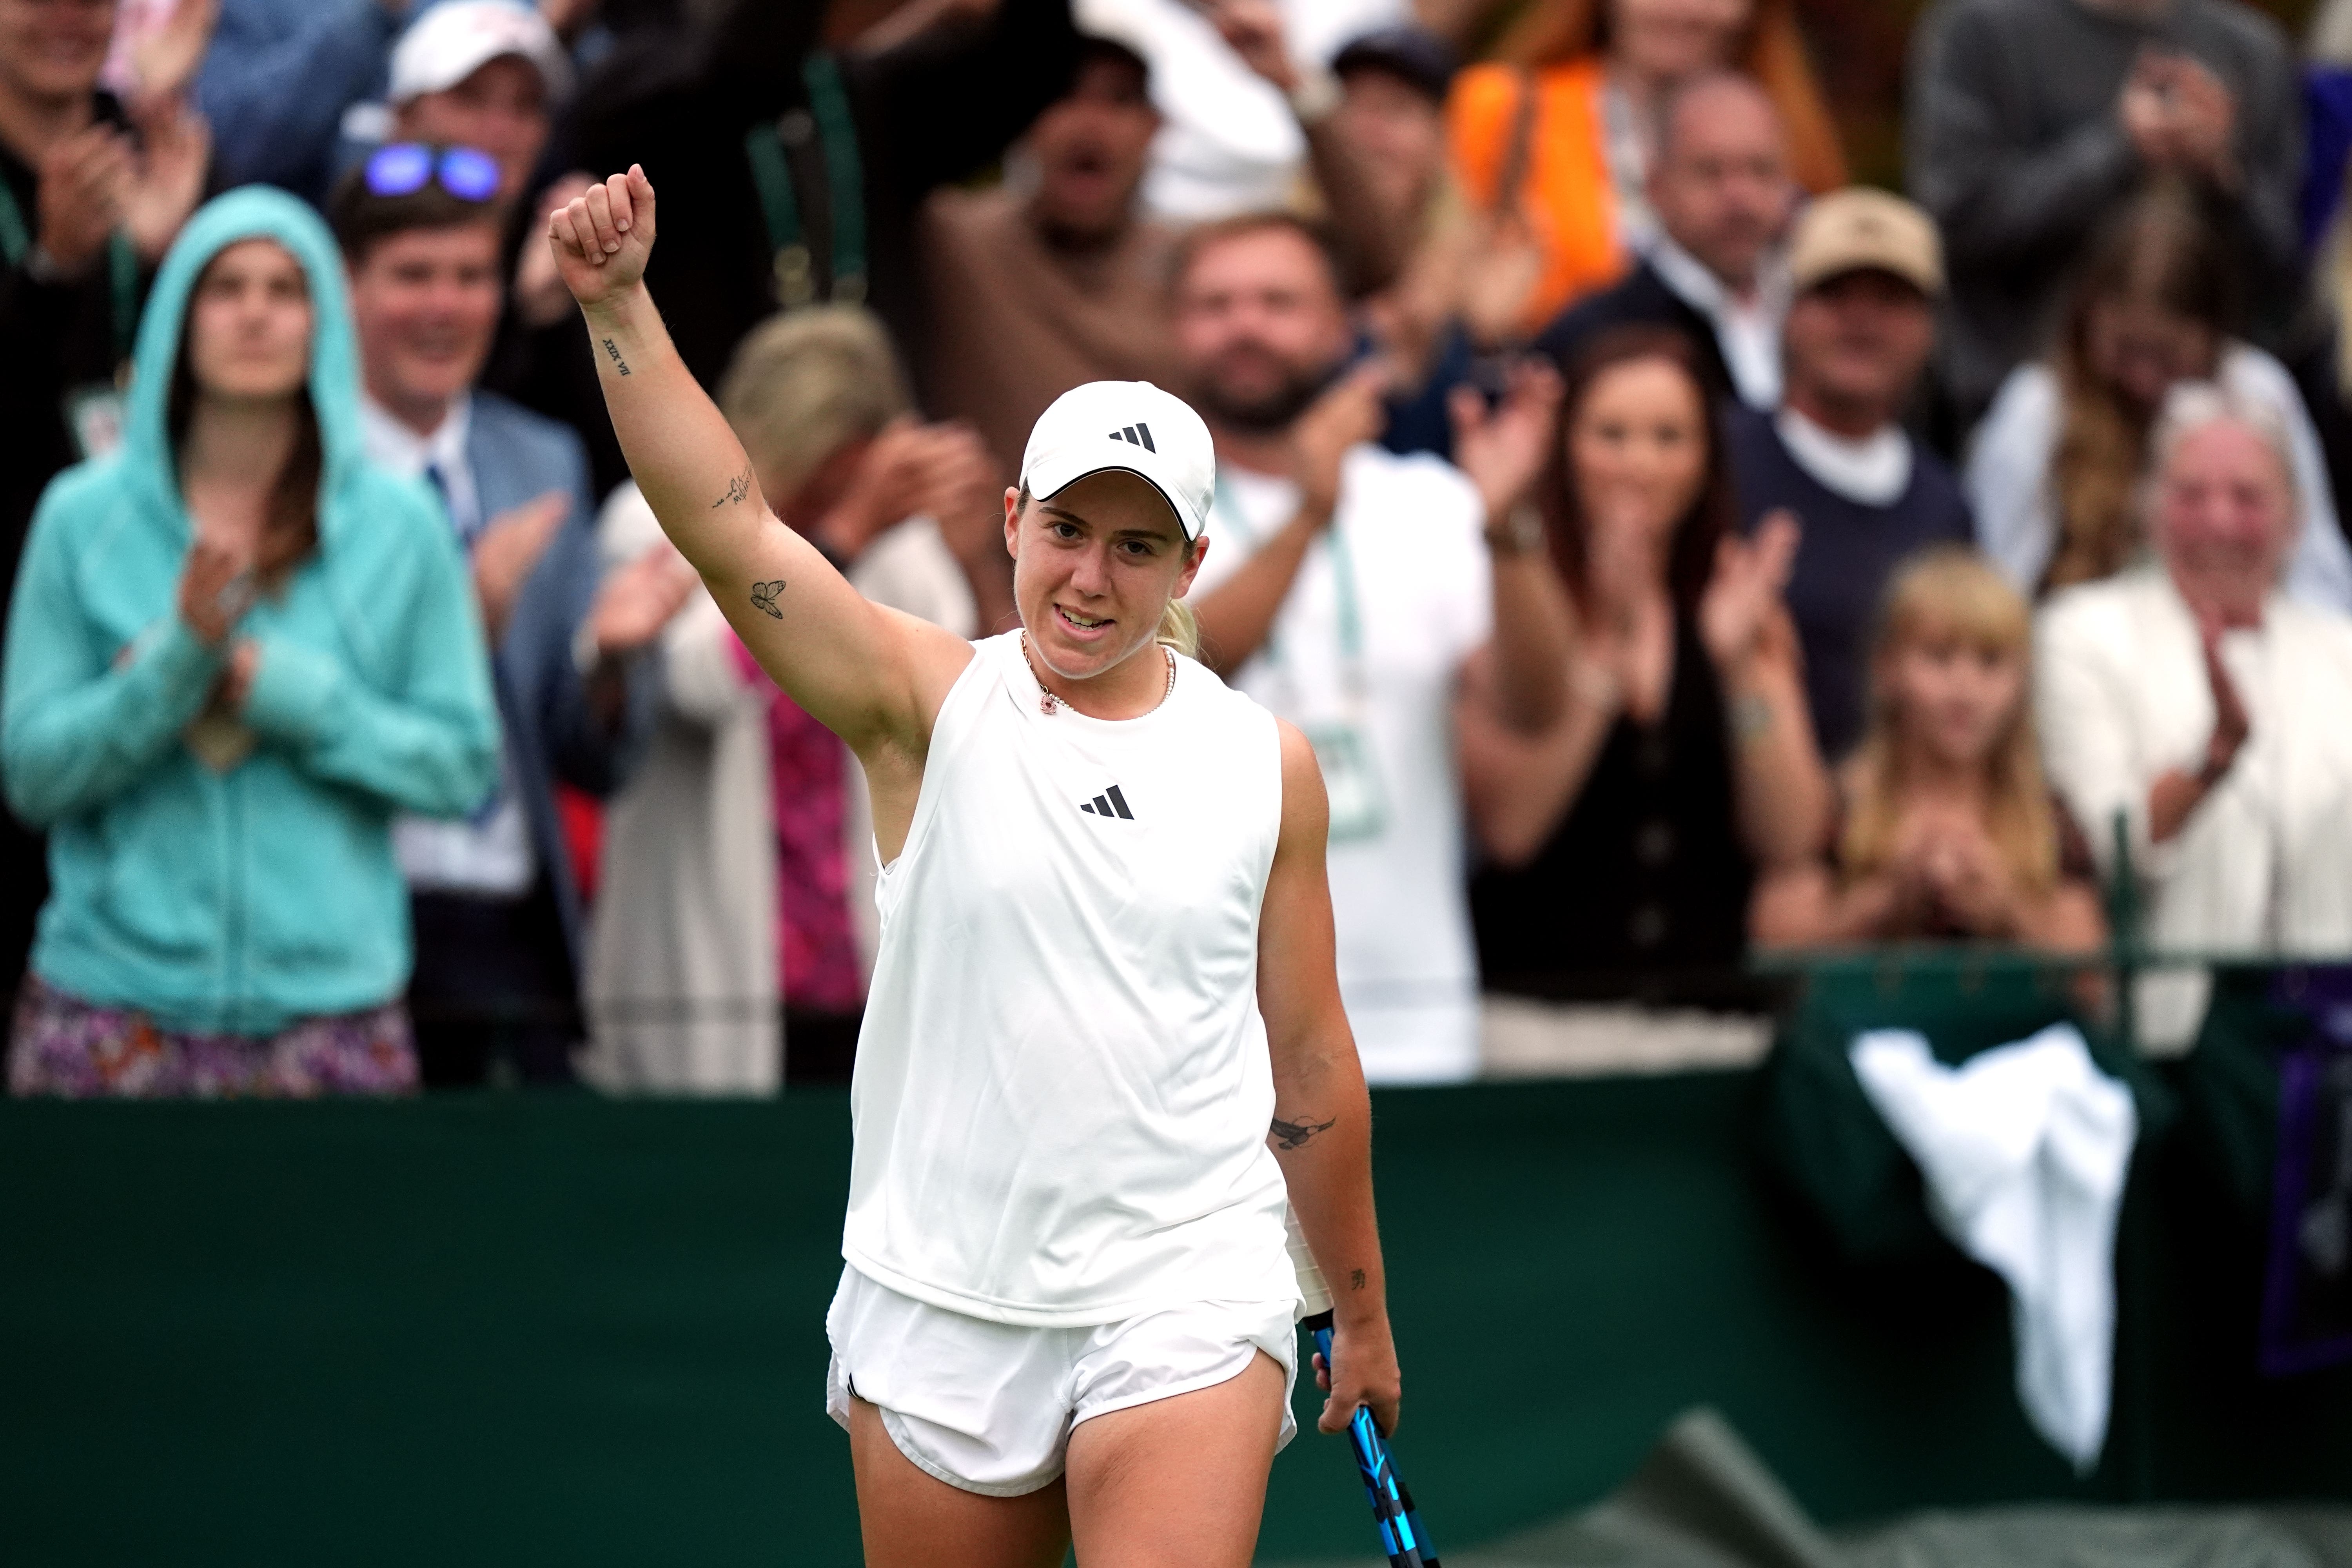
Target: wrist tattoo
pixel 1355 1279
pixel 1295 1135
pixel 618 363
pixel 737 489
pixel 763 598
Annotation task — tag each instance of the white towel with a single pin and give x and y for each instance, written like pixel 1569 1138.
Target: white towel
pixel 2024 1149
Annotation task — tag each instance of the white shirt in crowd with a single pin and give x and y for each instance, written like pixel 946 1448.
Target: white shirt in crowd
pixel 1869 470
pixel 2265 860
pixel 1406 536
pixel 1228 142
pixel 488 854
pixel 1747 332
pixel 2007 478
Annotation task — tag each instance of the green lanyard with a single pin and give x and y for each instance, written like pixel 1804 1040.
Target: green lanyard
pixel 772 172
pixel 121 268
pixel 1343 590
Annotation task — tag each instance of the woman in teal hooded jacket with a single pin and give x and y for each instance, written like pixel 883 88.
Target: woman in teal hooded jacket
pixel 235 650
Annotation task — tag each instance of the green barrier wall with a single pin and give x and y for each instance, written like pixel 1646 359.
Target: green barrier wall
pixel 527 1330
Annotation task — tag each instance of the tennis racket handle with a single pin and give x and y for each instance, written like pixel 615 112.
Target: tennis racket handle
pixel 1393 1515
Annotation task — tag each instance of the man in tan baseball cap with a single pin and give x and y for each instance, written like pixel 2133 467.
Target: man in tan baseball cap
pixel 1861 230
pixel 1866 269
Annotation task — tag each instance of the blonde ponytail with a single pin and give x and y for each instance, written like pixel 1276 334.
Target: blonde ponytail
pixel 1179 628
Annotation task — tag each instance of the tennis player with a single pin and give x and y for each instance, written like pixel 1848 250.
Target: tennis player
pixel 1105 1043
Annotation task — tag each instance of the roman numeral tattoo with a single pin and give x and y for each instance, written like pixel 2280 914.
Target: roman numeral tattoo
pixel 619 364
pixel 1295 1135
pixel 763 598
pixel 737 489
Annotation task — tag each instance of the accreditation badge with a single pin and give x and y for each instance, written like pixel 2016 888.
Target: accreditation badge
pixel 1351 779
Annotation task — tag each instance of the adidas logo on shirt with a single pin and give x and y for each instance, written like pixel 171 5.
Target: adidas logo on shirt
pixel 1138 434
pixel 1110 803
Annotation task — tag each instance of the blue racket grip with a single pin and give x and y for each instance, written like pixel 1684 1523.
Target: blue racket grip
pixel 1394 1516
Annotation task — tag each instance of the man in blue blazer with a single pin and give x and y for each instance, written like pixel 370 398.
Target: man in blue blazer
pixel 495 904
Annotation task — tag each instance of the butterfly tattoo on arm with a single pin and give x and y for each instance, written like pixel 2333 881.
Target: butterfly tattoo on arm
pixel 763 598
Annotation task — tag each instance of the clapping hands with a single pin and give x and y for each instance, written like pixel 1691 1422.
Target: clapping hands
pixel 2180 115
pixel 1949 874
pixel 1349 412
pixel 637 601
pixel 1741 615
pixel 911 470
pixel 1504 449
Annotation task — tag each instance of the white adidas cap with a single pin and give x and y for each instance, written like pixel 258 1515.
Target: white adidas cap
pixel 1132 427
pixel 450 42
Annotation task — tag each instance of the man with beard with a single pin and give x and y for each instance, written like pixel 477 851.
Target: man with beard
pixel 1033 294
pixel 1345 589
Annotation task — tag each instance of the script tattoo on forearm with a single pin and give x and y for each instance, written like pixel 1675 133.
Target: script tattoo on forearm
pixel 763 598
pixel 618 363
pixel 1295 1135
pixel 1355 1279
pixel 737 489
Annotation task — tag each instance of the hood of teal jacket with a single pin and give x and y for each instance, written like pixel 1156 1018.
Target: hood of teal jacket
pixel 251 212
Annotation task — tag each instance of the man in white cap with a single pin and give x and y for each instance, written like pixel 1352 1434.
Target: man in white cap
pixel 480 73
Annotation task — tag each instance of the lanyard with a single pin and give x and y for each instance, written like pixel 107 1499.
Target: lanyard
pixel 772 172
pixel 121 268
pixel 1348 611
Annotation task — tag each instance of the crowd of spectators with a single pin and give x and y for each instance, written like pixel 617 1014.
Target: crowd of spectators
pixel 1672 549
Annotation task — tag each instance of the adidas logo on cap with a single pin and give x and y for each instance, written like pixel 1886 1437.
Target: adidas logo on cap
pixel 1152 435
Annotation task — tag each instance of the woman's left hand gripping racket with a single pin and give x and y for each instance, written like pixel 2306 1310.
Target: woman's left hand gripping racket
pixel 1402 1536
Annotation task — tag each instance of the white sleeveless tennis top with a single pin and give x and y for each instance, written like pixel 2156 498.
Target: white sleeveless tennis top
pixel 1062 1090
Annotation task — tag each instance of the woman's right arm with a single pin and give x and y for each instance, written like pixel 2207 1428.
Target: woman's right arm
pixel 873 677
pixel 1518 788
pixel 76 731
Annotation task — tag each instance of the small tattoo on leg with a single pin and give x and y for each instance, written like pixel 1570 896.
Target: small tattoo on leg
pixel 737 489
pixel 619 364
pixel 1295 1135
pixel 763 598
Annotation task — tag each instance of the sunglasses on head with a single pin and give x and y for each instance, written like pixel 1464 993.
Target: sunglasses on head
pixel 404 168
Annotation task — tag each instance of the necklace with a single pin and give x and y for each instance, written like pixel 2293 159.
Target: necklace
pixel 1049 704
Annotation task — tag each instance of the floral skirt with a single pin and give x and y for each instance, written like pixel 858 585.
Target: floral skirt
pixel 65 1046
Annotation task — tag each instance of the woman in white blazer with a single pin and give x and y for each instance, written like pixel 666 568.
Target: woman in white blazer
pixel 2194 698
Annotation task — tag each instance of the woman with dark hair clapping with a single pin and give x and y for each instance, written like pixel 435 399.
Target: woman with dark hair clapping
pixel 1623 841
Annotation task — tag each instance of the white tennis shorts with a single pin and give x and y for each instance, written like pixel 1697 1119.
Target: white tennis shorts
pixel 988 1407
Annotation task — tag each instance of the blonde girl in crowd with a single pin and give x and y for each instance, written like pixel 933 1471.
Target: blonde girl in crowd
pixel 1947 829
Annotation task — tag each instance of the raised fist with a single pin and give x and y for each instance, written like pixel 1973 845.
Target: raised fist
pixel 603 237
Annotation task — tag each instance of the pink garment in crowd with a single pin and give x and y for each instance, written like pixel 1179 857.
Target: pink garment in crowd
pixel 816 952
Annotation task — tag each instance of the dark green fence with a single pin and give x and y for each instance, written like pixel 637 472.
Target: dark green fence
pixel 540 1329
